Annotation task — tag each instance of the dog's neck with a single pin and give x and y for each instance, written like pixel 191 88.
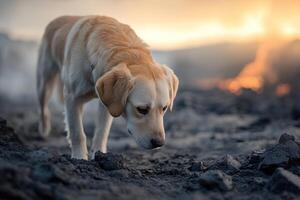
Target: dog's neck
pixel 130 56
pixel 127 55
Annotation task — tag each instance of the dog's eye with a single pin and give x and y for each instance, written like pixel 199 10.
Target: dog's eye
pixel 143 110
pixel 165 108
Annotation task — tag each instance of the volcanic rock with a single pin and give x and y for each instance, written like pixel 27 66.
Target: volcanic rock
pixel 283 180
pixel 197 166
pixel 216 179
pixel 284 138
pixel 228 164
pixel 253 160
pixel 284 154
pixel 109 161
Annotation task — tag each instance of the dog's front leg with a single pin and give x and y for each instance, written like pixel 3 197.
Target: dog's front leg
pixel 103 124
pixel 76 135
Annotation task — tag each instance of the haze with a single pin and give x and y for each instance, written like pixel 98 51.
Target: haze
pixel 163 24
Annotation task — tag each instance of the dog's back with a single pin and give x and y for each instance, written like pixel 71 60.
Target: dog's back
pixel 55 37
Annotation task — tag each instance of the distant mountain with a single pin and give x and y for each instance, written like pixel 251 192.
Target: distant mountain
pixel 209 61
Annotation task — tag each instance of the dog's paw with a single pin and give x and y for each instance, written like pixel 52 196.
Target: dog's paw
pixel 93 152
pixel 79 153
pixel 44 130
pixel 79 157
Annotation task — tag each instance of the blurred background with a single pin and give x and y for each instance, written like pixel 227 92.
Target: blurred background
pixel 228 45
pixel 238 62
pixel 232 57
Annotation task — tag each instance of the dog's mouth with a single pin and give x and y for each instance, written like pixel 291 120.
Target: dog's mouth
pixel 143 144
pixel 139 142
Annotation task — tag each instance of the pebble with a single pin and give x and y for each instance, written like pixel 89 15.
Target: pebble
pixel 283 180
pixel 216 179
pixel 283 154
pixel 227 164
pixel 109 161
pixel 197 166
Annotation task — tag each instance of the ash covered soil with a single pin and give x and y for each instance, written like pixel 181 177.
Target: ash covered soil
pixel 219 146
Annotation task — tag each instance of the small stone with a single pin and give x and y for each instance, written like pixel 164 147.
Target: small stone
pixel 284 154
pixel 254 159
pixel 283 180
pixel 197 166
pixel 109 161
pixel 216 179
pixel 228 164
pixel 286 137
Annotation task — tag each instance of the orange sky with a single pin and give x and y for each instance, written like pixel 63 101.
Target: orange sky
pixel 167 24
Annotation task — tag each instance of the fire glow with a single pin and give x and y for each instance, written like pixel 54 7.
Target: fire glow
pixel 254 74
pixel 283 89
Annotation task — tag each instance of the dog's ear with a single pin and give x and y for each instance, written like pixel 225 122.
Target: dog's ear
pixel 173 84
pixel 113 89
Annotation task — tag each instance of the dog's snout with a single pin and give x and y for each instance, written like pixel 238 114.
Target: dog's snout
pixel 157 143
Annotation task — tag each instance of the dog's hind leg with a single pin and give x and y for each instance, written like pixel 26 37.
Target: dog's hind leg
pixel 103 124
pixel 47 74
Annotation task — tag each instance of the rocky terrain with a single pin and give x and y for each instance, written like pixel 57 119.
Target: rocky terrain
pixel 219 146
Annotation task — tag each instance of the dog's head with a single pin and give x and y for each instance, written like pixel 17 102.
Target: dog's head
pixel 142 95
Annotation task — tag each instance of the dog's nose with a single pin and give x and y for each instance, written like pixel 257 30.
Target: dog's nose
pixel 157 143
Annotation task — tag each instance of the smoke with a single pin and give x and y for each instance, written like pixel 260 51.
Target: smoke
pixel 17 66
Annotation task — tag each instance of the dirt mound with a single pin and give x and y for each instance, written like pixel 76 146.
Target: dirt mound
pixel 34 174
pixel 213 151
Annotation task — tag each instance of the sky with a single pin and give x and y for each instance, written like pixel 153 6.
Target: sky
pixel 168 24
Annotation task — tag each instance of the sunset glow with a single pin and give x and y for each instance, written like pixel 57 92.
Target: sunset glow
pixel 207 33
pixel 166 24
pixel 253 28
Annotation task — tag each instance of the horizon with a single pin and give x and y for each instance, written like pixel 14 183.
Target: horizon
pixel 197 23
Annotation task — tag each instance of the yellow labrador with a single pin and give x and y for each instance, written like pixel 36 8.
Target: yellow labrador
pixel 97 56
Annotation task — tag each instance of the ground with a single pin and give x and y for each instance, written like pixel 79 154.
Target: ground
pixel 219 146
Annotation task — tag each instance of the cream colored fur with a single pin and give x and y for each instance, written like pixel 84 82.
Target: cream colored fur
pixel 99 57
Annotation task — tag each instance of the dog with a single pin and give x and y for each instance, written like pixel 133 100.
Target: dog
pixel 98 57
